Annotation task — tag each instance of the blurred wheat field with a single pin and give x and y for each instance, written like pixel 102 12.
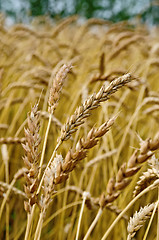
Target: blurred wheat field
pixel 99 52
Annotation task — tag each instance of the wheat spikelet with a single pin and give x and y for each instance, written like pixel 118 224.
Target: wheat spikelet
pixel 74 156
pixel 31 159
pixel 91 103
pixel 147 177
pixel 57 87
pixel 137 221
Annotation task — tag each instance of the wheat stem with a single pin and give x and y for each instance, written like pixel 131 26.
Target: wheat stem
pixel 28 226
pixel 39 226
pixel 44 145
pixel 60 211
pixel 80 216
pixel 100 211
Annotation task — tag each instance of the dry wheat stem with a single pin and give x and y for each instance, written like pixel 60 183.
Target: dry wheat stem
pixel 5 158
pixel 100 211
pixel 44 145
pixel 39 227
pixel 81 213
pixel 63 24
pixel 46 115
pixel 3 126
pixel 21 85
pixel 60 211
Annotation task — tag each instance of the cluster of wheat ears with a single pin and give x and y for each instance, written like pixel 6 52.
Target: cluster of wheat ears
pixel 79 134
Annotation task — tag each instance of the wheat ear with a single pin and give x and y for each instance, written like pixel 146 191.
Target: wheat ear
pixel 117 184
pixel 91 103
pixel 31 158
pixel 147 177
pixel 138 219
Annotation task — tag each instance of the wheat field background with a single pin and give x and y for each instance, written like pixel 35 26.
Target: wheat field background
pixel 107 167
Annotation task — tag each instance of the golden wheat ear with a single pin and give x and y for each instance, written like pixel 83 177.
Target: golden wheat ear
pixel 138 219
pixel 31 158
pixel 91 103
